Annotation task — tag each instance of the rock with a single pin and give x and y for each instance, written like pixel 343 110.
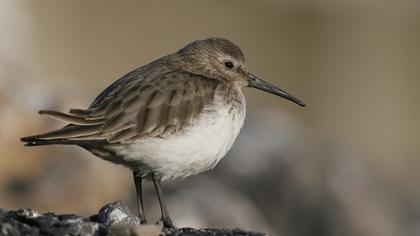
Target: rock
pixel 210 232
pixel 116 212
pixel 113 219
pixel 132 229
pixel 30 222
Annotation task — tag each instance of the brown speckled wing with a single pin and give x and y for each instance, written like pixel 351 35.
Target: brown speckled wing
pixel 131 110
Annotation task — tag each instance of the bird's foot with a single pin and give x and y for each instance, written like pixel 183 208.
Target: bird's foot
pixel 143 221
pixel 167 223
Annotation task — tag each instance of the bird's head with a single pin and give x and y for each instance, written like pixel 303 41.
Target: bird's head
pixel 221 59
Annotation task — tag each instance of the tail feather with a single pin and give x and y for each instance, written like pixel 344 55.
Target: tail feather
pixel 80 112
pixel 35 141
pixel 82 130
pixel 72 118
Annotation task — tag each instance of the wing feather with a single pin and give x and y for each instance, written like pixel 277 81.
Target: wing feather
pixel 70 118
pixel 136 108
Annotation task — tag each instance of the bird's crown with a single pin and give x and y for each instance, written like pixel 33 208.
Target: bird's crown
pixel 215 58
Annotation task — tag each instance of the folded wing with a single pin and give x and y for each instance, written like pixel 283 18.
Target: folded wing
pixel 152 107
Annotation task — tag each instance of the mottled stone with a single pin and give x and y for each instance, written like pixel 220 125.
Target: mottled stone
pixel 210 232
pixel 116 212
pixel 113 219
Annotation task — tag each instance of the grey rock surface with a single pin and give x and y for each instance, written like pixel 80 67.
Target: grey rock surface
pixel 116 212
pixel 113 219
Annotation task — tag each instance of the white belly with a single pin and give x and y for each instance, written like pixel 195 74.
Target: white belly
pixel 198 148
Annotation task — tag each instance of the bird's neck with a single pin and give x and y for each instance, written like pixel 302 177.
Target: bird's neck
pixel 230 96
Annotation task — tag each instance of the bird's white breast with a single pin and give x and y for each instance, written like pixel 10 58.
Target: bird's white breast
pixel 198 148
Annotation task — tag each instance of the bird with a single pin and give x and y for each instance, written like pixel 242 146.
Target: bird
pixel 175 117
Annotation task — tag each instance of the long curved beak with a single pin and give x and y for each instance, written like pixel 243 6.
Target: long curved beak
pixel 255 82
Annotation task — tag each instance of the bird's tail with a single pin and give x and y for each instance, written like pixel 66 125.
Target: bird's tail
pixel 81 131
pixel 35 141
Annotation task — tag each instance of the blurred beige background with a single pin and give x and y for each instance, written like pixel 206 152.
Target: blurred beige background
pixel 347 164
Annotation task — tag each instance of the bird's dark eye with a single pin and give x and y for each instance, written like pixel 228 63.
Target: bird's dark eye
pixel 229 64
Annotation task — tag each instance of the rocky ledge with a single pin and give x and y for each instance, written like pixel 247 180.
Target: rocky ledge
pixel 112 219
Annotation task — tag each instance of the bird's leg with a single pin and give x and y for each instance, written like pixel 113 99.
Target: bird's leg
pixel 167 222
pixel 139 192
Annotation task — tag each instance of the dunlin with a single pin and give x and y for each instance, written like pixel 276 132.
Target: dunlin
pixel 175 117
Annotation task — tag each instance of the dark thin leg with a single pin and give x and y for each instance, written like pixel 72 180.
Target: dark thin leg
pixel 167 222
pixel 140 208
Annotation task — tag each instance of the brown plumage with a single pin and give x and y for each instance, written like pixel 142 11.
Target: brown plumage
pixel 135 109
pixel 175 117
